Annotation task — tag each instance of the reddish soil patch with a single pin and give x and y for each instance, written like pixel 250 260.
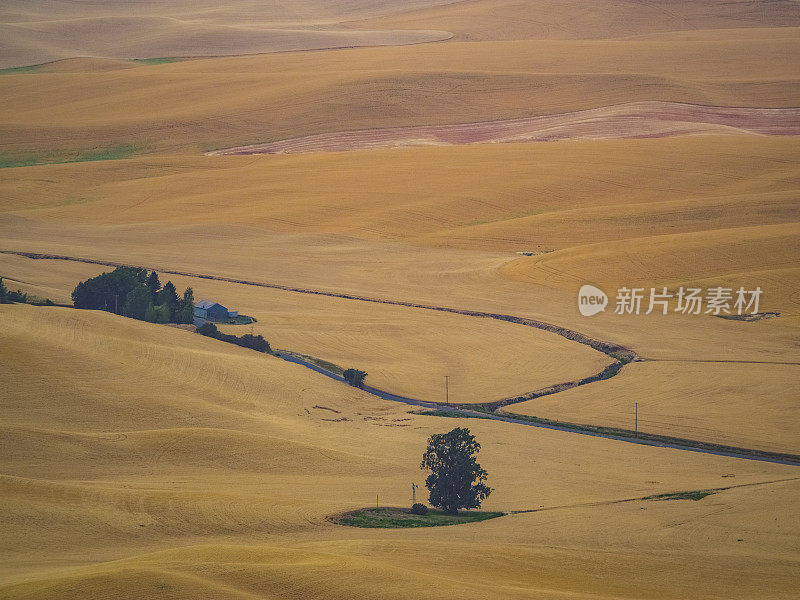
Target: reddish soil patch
pixel 188 327
pixel 634 120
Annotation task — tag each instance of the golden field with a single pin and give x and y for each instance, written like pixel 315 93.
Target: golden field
pixel 482 20
pixel 406 351
pixel 145 461
pixel 684 398
pixel 139 459
pixel 216 103
pixel 37 32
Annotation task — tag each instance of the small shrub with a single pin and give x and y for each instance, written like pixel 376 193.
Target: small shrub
pixel 9 297
pixel 208 329
pixel 254 342
pixel 419 509
pixel 355 377
pixel 18 296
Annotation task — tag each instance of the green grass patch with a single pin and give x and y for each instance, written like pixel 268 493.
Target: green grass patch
pixel 610 371
pixel 691 495
pixel 622 357
pixel 108 153
pixel 21 70
pixel 162 60
pixel 26 160
pixel 323 364
pixel 116 152
pixel 237 320
pixel 391 517
pixel 566 425
pixel 482 407
pixel 748 318
pixel 242 320
pixel 447 413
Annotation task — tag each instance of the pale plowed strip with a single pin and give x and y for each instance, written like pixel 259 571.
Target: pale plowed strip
pixel 633 120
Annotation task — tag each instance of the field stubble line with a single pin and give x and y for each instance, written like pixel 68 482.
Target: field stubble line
pixel 650 497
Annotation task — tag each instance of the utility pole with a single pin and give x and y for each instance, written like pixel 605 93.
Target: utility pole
pixel 636 419
pixel 413 493
pixel 376 500
pixel 447 388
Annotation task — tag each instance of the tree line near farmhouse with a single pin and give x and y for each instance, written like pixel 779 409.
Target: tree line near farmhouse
pixel 10 297
pixel 254 342
pixel 135 293
pixel 132 292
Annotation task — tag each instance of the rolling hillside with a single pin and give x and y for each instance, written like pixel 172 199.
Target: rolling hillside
pixel 623 143
pixel 38 32
pixel 142 457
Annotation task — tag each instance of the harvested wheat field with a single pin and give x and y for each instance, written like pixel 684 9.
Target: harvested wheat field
pixel 417 189
pixel 688 398
pixel 38 32
pixel 406 351
pixel 210 482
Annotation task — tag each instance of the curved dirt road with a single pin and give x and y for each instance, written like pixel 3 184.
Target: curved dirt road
pixel 619 435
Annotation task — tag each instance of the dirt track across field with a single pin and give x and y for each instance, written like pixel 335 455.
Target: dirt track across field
pixel 634 120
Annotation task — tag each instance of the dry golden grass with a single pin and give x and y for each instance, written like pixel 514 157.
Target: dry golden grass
pixel 143 457
pixel 481 20
pixel 741 256
pixel 736 404
pixel 409 351
pixel 489 197
pixel 405 351
pixel 689 209
pixel 37 32
pixel 223 102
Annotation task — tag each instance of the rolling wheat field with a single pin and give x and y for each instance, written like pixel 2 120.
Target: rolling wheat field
pixel 417 189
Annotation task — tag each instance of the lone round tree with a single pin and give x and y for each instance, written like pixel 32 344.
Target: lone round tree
pixel 456 479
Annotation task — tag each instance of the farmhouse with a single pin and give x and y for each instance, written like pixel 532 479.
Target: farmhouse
pixel 213 311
